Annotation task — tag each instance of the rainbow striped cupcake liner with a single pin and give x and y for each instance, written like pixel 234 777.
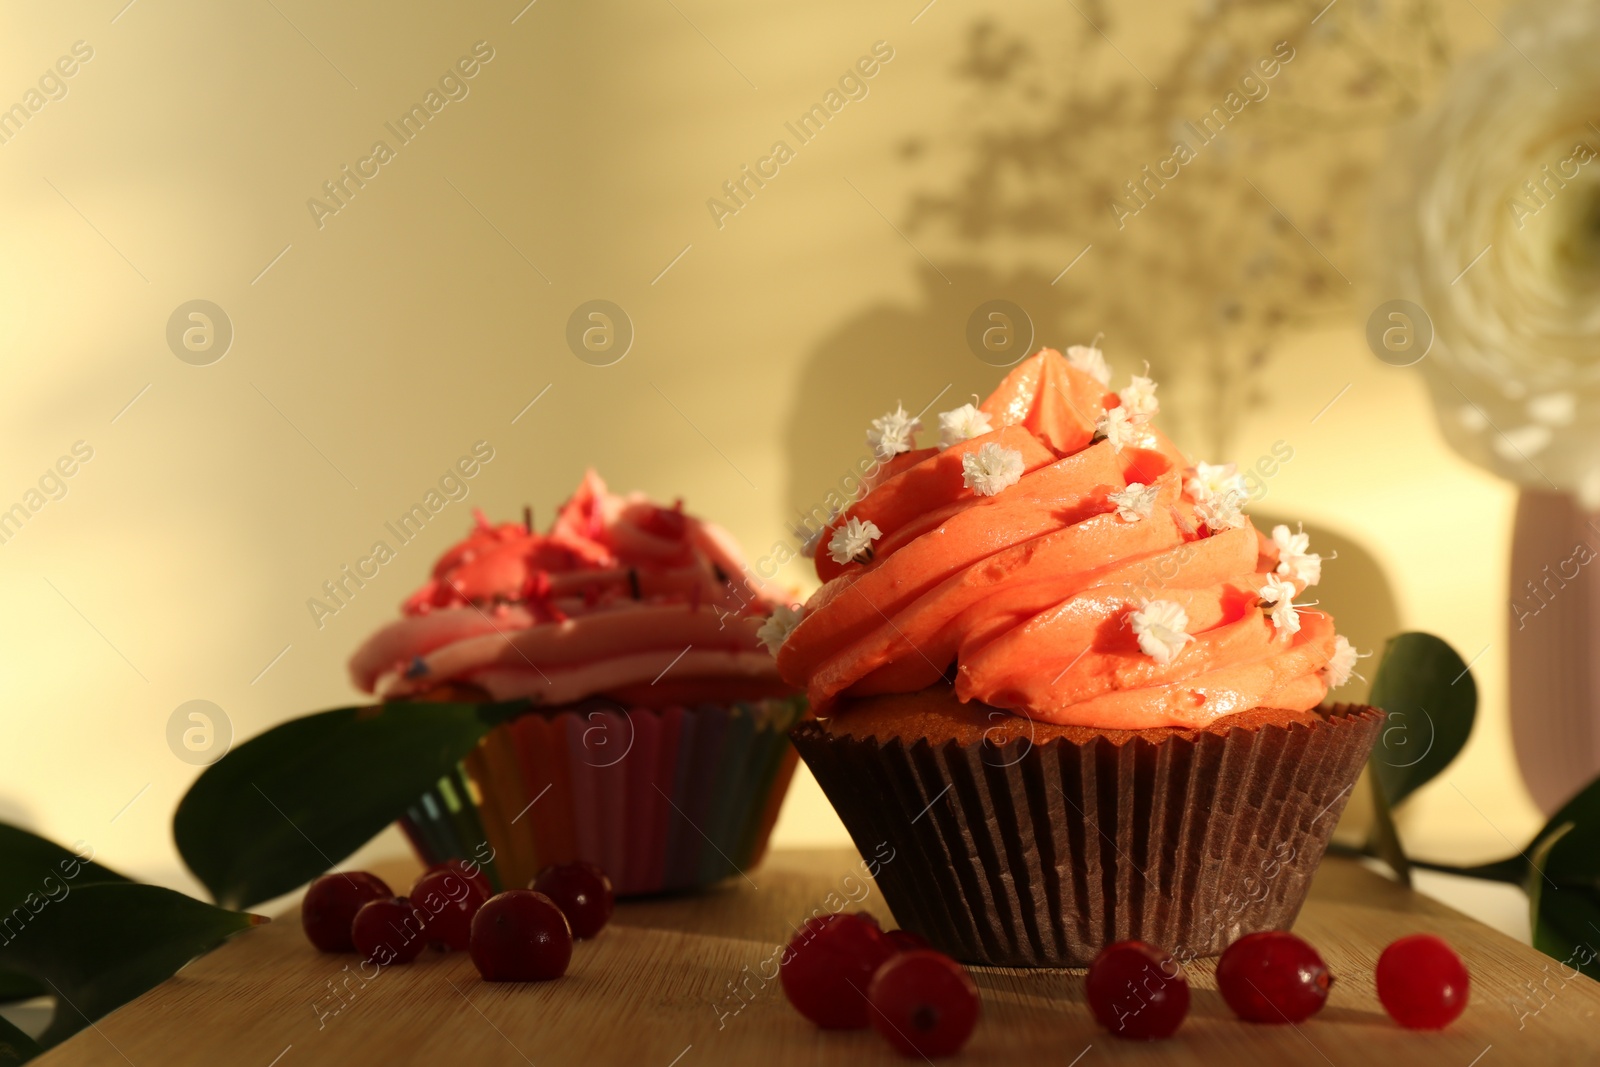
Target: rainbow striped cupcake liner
pixel 661 799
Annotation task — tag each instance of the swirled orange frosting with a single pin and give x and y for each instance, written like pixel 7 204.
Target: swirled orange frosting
pixel 1026 596
pixel 620 598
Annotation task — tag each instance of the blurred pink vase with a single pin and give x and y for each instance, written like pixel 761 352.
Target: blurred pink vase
pixel 1555 645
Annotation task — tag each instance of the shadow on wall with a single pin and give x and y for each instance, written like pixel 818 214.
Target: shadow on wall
pixel 915 355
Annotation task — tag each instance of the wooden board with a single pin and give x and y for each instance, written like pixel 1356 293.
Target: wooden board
pixel 657 988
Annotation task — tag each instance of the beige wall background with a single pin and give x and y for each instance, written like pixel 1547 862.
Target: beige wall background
pixel 370 352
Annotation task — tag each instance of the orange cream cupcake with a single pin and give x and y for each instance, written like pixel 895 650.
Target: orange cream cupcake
pixel 654 742
pixel 1059 671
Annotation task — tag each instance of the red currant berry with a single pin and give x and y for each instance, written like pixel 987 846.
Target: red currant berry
pixel 1422 982
pixel 389 931
pixel 867 916
pixel 449 899
pixel 582 892
pixel 1273 977
pixel 1137 991
pixel 331 904
pixel 827 967
pixel 471 870
pixel 520 936
pixel 924 1003
pixel 906 941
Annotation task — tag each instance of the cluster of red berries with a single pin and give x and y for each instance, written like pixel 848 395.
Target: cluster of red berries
pixel 520 935
pixel 844 972
pixel 1138 992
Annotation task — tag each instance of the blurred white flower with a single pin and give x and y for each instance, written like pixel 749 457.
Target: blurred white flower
pixel 1091 361
pixel 1135 502
pixel 1492 225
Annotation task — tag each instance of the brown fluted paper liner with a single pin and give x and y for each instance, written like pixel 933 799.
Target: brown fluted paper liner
pixel 1040 855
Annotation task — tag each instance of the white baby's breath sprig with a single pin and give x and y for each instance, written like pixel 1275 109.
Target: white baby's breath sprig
pixel 1091 361
pixel 853 541
pixel 1159 625
pixel 1294 559
pixel 779 625
pixel 1135 502
pixel 1140 398
pixel 991 468
pixel 1278 596
pixel 1342 665
pixel 1220 512
pixel 892 434
pixel 962 424
pixel 1117 427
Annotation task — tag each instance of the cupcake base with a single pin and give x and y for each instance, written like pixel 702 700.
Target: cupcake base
pixel 661 799
pixel 1034 846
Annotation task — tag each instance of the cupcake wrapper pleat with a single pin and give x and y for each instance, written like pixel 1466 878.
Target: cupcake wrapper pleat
pixel 1040 855
pixel 661 800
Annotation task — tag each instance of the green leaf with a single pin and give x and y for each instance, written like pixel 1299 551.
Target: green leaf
pixel 15 987
pixel 1431 701
pixel 288 804
pixel 31 866
pixel 101 945
pixel 16 1047
pixel 1384 841
pixel 1564 896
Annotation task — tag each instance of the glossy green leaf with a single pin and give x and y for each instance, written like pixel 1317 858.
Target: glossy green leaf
pixel 36 868
pixel 1431 701
pixel 287 805
pixel 99 946
pixel 1564 896
pixel 1384 841
pixel 16 1047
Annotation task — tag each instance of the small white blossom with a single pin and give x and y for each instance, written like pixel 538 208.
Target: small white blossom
pixel 891 434
pixel 1135 502
pixel 1294 559
pixel 853 541
pixel 1279 595
pixel 1159 626
pixel 1221 512
pixel 1338 670
pixel 1091 361
pixel 779 625
pixel 1140 398
pixel 1215 479
pixel 962 424
pixel 991 469
pixel 1117 427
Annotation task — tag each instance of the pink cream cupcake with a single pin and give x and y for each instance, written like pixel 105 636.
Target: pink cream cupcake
pixel 1056 669
pixel 655 741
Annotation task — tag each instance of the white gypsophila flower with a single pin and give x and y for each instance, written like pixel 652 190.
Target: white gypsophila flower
pixel 1213 480
pixel 1488 225
pixel 962 424
pixel 991 469
pixel 1091 361
pixel 1294 556
pixel 1342 665
pixel 853 541
pixel 1159 625
pixel 779 625
pixel 1278 595
pixel 1116 426
pixel 892 434
pixel 1140 398
pixel 1221 512
pixel 1135 502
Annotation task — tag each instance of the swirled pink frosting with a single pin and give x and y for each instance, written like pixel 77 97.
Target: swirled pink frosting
pixel 620 598
pixel 1028 593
